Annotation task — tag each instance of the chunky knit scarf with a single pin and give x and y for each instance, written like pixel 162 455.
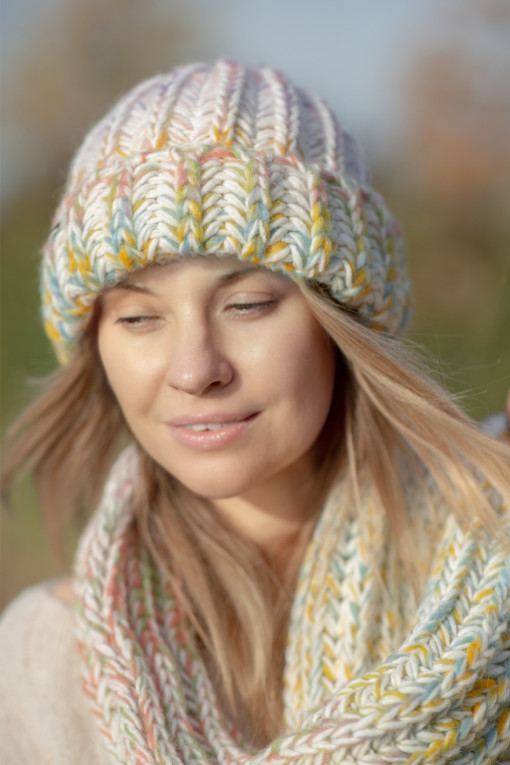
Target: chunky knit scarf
pixel 356 689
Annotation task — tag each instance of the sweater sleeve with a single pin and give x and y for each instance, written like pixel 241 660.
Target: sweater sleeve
pixel 44 715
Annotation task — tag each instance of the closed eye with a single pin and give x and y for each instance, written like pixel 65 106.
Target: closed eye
pixel 135 321
pixel 252 306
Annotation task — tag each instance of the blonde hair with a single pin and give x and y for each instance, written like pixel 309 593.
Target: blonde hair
pixel 385 412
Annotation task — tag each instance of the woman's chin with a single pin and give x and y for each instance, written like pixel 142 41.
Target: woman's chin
pixel 218 490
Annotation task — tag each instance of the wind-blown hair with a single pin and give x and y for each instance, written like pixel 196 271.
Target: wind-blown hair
pixel 387 420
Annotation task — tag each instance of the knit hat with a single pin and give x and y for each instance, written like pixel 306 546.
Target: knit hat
pixel 225 160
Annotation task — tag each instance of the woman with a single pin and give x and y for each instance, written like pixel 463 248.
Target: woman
pixel 301 554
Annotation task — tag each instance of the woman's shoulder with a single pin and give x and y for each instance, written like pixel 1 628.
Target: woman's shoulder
pixel 37 621
pixel 38 624
pixel 37 601
pixel 44 714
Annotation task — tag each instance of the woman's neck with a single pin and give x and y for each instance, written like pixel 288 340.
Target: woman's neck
pixel 278 521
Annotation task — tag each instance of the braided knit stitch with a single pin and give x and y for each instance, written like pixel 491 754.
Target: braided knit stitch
pixel 226 160
pixel 356 690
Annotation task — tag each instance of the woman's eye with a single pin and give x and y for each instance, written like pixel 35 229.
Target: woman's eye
pixel 135 322
pixel 255 306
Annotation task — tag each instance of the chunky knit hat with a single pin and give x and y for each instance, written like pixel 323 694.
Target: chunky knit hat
pixel 227 160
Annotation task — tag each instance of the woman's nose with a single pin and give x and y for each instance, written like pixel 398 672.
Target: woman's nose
pixel 196 363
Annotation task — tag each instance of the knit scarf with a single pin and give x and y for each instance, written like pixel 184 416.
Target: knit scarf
pixel 356 689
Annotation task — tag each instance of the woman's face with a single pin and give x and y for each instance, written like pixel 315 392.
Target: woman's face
pixel 222 372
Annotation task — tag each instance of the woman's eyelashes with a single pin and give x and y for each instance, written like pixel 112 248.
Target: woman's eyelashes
pixel 246 307
pixel 138 321
pixel 239 304
pixel 237 307
pixel 249 301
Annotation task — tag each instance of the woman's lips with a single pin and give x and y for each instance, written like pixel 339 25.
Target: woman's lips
pixel 209 432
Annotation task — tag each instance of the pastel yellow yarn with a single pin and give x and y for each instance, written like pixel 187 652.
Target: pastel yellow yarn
pixel 221 160
pixel 370 679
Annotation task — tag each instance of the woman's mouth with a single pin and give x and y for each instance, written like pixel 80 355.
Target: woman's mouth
pixel 198 427
pixel 210 432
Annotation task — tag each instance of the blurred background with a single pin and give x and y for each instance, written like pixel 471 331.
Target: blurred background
pixel 424 86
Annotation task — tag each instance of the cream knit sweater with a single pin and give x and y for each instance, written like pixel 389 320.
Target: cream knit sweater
pixel 44 714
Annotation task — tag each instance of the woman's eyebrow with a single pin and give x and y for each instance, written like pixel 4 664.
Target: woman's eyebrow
pixel 133 288
pixel 234 276
pixel 228 278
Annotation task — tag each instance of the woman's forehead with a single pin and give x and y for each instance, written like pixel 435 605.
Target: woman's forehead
pixel 223 269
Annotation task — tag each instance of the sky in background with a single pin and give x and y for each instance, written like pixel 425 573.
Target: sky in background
pixel 353 53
